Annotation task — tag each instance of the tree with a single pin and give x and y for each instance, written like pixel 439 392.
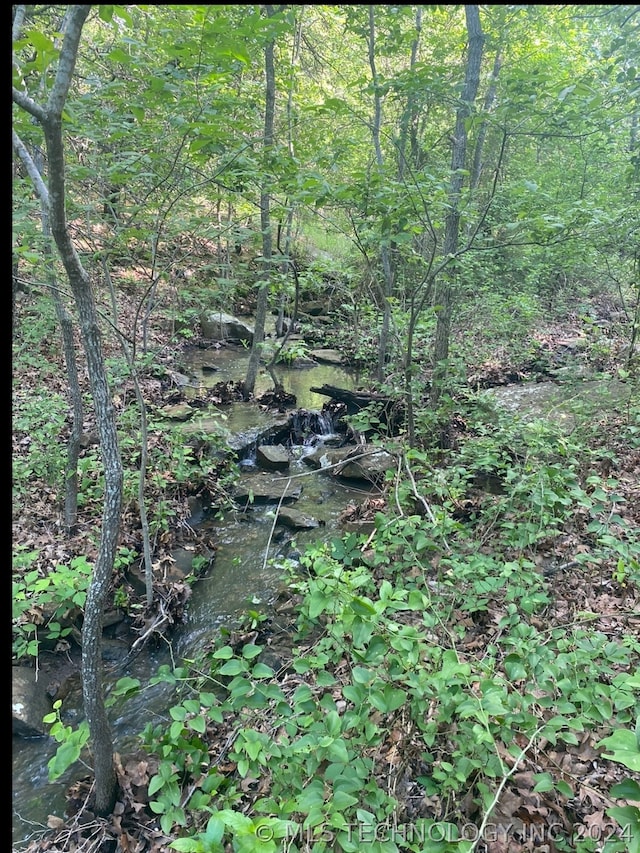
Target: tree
pixel 265 214
pixel 34 169
pixel 50 118
pixel 444 293
pixel 385 248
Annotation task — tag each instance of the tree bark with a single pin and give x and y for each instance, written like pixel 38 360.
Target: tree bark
pixel 265 219
pixel 385 249
pixel 35 171
pixel 444 290
pixel 50 118
pixel 476 169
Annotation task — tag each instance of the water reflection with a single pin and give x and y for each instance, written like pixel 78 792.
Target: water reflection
pixel 231 365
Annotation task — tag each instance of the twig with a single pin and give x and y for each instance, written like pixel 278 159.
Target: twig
pixel 273 526
pixel 423 501
pixel 487 815
pixel 397 486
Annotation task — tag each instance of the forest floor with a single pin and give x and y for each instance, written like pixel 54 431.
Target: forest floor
pixel 614 605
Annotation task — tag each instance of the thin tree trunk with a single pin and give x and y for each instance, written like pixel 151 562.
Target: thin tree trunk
pixel 409 114
pixel 407 122
pixel 75 394
pixel 445 285
pixel 288 225
pixel 265 219
pixel 35 170
pixel 144 441
pixel 476 169
pixel 50 118
pixel 385 250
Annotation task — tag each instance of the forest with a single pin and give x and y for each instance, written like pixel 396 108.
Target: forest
pixel 335 311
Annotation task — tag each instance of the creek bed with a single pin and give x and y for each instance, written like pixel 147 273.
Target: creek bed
pixel 247 573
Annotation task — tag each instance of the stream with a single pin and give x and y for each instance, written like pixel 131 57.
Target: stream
pixel 246 574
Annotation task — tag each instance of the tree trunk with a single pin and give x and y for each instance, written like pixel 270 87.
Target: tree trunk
pixel 385 249
pixel 476 169
pixel 444 290
pixel 265 220
pixel 407 131
pixel 50 118
pixel 75 394
pixel 35 169
pixel 409 114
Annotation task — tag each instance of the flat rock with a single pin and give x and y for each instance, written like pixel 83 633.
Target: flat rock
pixel 361 462
pixel 273 457
pixel 265 488
pixel 179 412
pixel 327 356
pixel 326 457
pixel 220 326
pixel 296 520
pixel 367 463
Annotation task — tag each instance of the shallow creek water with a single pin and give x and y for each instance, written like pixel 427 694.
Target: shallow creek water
pixel 246 573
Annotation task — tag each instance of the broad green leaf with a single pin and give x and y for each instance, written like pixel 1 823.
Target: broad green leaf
pixel 233 667
pixel 628 789
pixel 565 789
pixel 224 653
pixel 628 818
pixel 623 744
pixel 261 670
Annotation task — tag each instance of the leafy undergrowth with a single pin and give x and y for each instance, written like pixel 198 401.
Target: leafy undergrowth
pixel 464 678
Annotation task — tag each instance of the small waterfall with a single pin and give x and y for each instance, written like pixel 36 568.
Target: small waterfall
pixel 325 424
pixel 247 456
pixel 306 426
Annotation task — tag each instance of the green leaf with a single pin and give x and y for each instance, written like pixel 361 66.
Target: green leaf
pixel 317 603
pixel 250 651
pixel 40 41
pixel 544 783
pixel 514 667
pixel 105 13
pixel 388 700
pixel 361 675
pixel 338 752
pixel 624 749
pixel 312 796
pixel 118 55
pixel 66 755
pixel 325 679
pixel 155 784
pixel 341 800
pixel 362 606
pixel 214 831
pixel 333 723
pixel 353 694
pixel 628 817
pixel 261 670
pixel 564 789
pixel 233 667
pixel 197 724
pixel 125 686
pixel 224 653
pixel 189 845
pixel 628 789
